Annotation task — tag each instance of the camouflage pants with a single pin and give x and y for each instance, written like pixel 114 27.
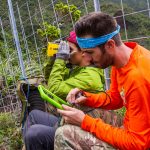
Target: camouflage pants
pixel 70 137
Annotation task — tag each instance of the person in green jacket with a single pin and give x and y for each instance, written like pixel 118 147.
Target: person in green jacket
pixel 40 126
pixel 81 74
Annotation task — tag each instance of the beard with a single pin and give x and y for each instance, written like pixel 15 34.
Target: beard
pixel 106 61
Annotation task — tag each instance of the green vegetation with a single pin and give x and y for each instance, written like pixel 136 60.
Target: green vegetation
pixel 10 132
pixel 49 31
pixel 63 10
pixel 137 25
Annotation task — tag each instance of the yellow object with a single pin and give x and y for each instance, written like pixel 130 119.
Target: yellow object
pixel 52 49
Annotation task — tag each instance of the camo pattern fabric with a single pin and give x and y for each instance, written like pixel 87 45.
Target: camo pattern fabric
pixel 70 137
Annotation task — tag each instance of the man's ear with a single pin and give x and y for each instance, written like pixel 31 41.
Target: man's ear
pixel 110 44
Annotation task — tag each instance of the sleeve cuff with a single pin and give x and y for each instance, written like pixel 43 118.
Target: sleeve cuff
pixel 87 123
pixel 89 101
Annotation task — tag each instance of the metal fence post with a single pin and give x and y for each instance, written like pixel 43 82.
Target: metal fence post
pixel 97 5
pixel 106 71
pixel 16 37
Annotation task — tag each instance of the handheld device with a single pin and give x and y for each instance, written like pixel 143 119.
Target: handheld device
pixel 51 98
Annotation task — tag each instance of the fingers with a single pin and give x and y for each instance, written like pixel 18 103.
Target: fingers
pixel 71 97
pixel 67 110
pixel 67 46
pixel 80 100
pixel 67 107
pixel 72 116
pixel 62 45
pixel 63 112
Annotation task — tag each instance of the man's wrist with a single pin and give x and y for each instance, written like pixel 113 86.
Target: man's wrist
pixel 82 118
pixel 87 122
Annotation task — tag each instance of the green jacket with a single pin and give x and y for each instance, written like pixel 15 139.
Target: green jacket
pixel 62 79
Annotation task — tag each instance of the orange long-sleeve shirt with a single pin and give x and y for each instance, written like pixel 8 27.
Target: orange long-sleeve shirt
pixel 130 87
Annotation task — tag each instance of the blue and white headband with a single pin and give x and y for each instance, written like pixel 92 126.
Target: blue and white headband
pixel 93 42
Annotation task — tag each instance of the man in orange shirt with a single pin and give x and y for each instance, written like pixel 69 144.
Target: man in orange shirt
pixel 98 35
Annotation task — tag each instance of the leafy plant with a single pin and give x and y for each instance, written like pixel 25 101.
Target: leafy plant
pixel 52 32
pixel 64 10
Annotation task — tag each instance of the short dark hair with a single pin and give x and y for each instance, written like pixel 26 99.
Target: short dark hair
pixel 97 24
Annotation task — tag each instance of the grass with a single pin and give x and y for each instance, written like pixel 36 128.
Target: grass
pixel 10 132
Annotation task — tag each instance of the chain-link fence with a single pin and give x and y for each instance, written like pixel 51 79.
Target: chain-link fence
pixel 27 26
